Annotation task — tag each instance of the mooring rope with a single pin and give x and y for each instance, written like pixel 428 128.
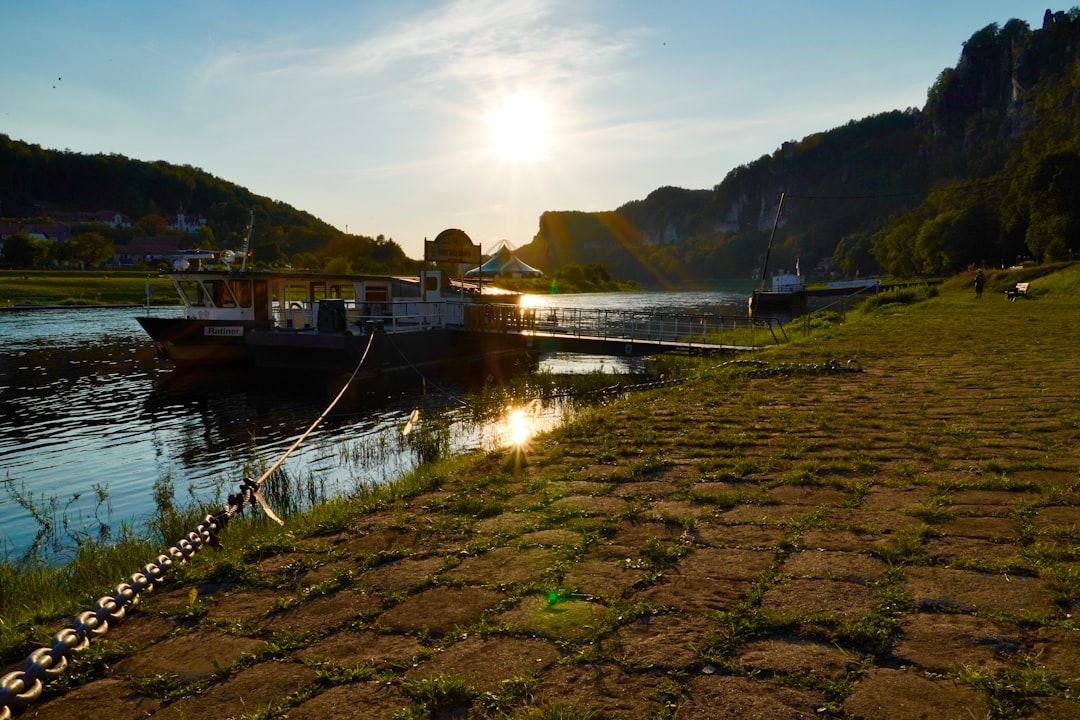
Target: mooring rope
pixel 21 688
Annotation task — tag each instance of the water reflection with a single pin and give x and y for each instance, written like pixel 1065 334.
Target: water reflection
pixel 86 408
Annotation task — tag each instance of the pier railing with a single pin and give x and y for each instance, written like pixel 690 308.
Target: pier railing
pixel 690 329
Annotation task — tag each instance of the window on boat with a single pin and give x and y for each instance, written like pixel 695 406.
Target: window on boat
pixel 220 293
pixel 376 293
pixel 241 290
pixel 296 294
pixel 193 292
pixel 344 291
pixel 207 293
pixel 377 300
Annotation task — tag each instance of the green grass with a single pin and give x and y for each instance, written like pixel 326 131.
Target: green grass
pixel 71 287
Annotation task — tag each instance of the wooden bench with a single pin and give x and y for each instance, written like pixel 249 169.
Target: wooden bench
pixel 1018 290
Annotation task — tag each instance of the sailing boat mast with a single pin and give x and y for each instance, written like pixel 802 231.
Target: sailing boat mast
pixel 772 236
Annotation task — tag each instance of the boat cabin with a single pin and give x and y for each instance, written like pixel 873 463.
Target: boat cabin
pixel 292 301
pixel 787 282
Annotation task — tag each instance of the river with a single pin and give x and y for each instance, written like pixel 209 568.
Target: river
pixel 91 419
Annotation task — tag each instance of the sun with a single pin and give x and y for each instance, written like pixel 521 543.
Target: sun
pixel 519 128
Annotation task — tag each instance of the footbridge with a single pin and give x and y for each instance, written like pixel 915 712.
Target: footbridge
pixel 623 332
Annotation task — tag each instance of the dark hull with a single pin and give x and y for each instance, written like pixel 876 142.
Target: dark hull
pixel 188 341
pixel 762 301
pixel 388 352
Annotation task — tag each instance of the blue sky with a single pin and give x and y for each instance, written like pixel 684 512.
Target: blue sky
pixel 406 117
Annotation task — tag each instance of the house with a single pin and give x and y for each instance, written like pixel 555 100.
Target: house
pixel 112 218
pixel 184 223
pixel 51 231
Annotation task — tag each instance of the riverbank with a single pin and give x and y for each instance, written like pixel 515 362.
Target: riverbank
pixel 29 289
pixel 893 537
pixel 42 288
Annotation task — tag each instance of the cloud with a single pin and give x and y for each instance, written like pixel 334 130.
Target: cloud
pixel 461 42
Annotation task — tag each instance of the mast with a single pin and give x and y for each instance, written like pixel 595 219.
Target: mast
pixel 772 236
pixel 251 226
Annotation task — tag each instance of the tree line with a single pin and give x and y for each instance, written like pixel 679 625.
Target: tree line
pixel 50 185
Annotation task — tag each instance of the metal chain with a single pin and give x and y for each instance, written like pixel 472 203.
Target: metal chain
pixel 20 688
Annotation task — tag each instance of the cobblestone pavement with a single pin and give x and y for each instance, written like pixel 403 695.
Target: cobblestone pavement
pixel 894 543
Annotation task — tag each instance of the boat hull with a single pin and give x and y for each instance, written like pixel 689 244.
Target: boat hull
pixel 763 301
pixel 380 352
pixel 190 341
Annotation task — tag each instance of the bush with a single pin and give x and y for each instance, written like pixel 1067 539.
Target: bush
pixel 899 296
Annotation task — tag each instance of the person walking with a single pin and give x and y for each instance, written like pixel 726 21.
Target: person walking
pixel 980 280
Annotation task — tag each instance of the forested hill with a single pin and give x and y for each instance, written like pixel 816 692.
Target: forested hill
pixel 61 185
pixel 986 172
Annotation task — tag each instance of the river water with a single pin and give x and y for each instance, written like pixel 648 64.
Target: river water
pixel 91 419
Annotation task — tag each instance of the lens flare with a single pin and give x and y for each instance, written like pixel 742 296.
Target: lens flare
pixel 520 427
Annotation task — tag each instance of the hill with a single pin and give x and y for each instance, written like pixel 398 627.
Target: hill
pixel 67 187
pixel 981 174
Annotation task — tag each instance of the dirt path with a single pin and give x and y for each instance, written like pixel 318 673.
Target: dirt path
pixel 770 541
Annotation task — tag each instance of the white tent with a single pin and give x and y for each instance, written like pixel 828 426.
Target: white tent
pixel 505 264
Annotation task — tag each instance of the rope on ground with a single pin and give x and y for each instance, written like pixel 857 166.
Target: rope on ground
pixel 21 688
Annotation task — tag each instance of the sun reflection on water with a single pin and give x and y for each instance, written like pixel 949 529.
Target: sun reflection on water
pixel 521 424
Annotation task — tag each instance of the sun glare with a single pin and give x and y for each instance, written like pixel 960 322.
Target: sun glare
pixel 520 427
pixel 519 128
pixel 521 423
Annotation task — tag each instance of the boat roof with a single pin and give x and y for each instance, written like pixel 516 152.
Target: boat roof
pixel 468 285
pixel 288 275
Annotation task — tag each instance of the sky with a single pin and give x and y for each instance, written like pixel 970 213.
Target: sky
pixel 403 118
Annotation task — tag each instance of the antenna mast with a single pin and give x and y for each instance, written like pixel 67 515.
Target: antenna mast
pixel 251 226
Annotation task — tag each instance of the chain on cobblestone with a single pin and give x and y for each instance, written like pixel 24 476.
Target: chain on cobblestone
pixel 21 688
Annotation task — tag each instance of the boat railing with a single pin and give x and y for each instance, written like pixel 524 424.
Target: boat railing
pixel 398 315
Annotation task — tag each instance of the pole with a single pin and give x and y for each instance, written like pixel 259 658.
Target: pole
pixel 772 236
pixel 247 241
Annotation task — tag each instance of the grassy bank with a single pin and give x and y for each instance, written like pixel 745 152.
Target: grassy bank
pixel 128 287
pixel 779 536
pixel 58 287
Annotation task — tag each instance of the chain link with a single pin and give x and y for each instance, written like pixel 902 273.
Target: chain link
pixel 20 688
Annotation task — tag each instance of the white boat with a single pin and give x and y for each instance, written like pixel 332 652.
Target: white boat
pixel 319 321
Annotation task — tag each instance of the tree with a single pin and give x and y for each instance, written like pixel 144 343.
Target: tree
pixel 894 247
pixel 91 249
pixel 338 266
pixel 1040 204
pixel 937 240
pixel 204 238
pixel 853 256
pixel 22 251
pixel 152 225
pixel 1046 236
pixel 306 261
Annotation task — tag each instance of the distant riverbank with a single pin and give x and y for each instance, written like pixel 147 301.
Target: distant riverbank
pixel 42 288
pixel 35 288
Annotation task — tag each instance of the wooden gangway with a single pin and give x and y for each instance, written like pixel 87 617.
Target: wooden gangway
pixel 623 332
